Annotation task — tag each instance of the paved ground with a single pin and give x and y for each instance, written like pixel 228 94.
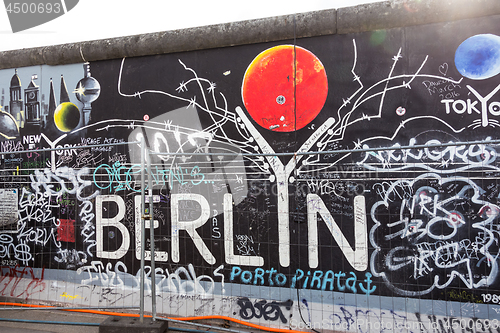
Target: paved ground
pixel 49 315
pixel 7 324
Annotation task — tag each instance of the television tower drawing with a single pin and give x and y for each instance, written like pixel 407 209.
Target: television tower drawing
pixel 87 91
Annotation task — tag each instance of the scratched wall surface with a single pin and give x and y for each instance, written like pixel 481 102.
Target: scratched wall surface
pixel 270 206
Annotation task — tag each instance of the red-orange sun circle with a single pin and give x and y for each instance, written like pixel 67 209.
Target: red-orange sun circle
pixel 277 98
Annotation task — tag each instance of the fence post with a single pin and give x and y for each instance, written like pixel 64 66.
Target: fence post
pixel 152 236
pixel 143 227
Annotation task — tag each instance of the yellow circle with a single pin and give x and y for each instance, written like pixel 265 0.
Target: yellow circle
pixel 67 117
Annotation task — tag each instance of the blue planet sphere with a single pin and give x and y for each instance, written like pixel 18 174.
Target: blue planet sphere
pixel 478 57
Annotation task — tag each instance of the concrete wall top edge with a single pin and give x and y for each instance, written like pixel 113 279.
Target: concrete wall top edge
pixel 403 13
pixel 369 17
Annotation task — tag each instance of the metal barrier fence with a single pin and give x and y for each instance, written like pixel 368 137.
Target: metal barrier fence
pixel 59 204
pixel 48 217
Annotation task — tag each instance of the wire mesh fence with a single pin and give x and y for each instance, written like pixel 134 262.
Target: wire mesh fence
pixel 229 240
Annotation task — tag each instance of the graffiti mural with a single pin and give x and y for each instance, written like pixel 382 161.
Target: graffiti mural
pixel 343 166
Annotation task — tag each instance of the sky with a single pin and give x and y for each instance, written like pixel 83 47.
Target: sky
pixel 98 19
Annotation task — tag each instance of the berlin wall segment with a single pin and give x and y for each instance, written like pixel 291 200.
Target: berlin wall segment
pixel 300 241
